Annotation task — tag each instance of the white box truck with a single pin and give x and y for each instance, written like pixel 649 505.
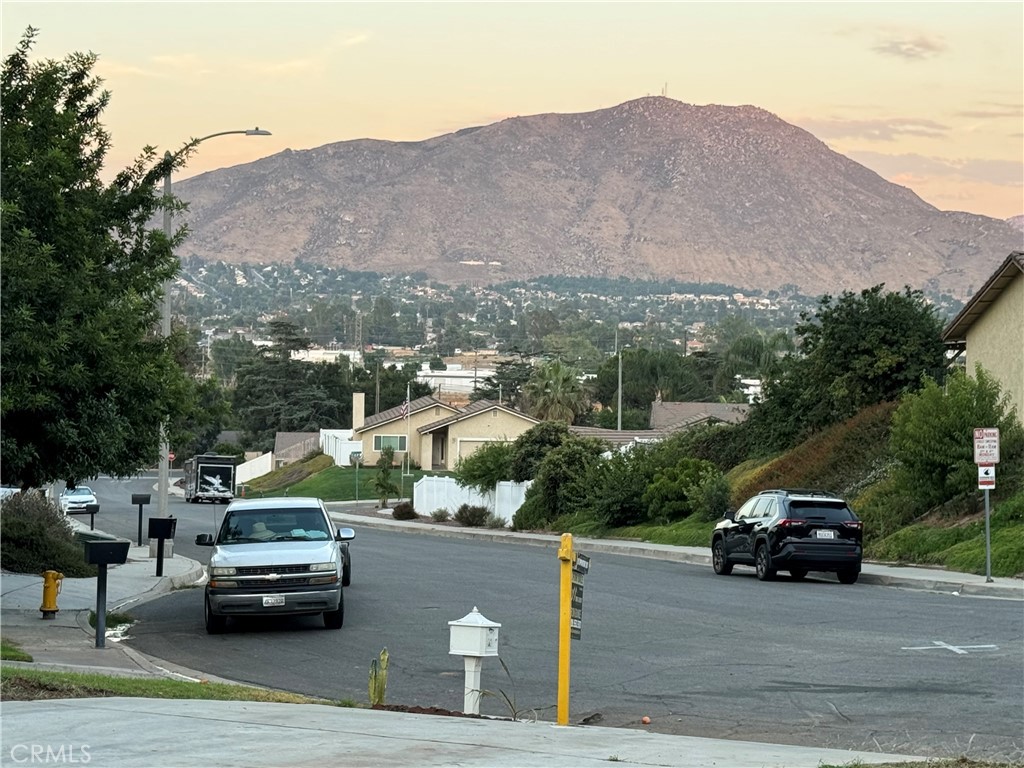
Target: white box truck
pixel 210 477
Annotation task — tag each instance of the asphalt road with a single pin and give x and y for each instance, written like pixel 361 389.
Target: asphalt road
pixel 813 662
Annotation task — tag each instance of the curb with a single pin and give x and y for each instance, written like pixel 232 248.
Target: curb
pixel 953 585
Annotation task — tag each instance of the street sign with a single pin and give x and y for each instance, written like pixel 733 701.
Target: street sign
pixel 580 568
pixel 986 476
pixel 986 446
pixel 170 456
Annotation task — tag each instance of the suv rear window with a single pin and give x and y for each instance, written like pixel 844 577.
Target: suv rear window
pixel 830 512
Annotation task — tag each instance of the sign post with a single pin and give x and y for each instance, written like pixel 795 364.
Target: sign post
pixel 986 456
pixel 573 567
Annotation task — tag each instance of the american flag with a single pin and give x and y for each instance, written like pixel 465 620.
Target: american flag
pixel 405 409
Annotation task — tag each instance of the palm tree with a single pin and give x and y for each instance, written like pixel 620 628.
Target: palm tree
pixel 554 393
pixel 756 355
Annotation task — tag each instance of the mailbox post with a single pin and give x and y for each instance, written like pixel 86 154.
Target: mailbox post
pixel 473 637
pixel 161 529
pixel 141 499
pixel 101 554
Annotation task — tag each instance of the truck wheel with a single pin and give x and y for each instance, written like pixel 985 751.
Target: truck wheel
pixel 214 624
pixel 334 619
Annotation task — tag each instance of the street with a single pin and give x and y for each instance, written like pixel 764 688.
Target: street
pixel 811 662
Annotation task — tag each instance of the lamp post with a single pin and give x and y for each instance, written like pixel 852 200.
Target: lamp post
pixel 618 409
pixel 164 481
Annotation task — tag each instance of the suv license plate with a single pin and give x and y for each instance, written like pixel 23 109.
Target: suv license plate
pixel 271 601
pixel 821 534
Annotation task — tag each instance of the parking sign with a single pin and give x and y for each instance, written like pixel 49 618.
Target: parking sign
pixel 986 446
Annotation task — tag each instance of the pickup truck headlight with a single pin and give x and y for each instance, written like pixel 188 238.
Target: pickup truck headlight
pixel 323 567
pixel 222 571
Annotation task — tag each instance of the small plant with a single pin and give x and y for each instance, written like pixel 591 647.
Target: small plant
pixel 114 619
pixel 441 515
pixel 404 510
pixel 510 699
pixel 378 685
pixel 471 516
pixel 495 521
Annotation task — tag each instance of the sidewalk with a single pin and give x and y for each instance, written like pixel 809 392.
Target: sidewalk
pixel 137 732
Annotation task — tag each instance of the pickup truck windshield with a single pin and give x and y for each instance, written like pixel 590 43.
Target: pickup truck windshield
pixel 247 527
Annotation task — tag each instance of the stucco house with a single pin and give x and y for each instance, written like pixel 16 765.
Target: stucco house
pixel 435 435
pixel 990 329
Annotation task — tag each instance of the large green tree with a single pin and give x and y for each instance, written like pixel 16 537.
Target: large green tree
pixel 87 378
pixel 554 392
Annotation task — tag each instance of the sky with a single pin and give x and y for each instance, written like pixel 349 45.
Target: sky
pixel 929 95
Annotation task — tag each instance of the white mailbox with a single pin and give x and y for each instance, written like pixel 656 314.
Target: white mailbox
pixel 474 635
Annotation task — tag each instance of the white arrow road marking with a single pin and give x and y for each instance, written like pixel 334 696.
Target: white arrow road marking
pixel 939 645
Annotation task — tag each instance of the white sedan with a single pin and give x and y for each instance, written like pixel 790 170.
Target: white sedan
pixel 76 499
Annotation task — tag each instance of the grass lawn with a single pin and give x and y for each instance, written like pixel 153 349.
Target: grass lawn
pixel 12 652
pixel 950 762
pixel 339 484
pixel 32 684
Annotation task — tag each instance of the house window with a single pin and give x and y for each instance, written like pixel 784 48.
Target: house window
pixel 380 442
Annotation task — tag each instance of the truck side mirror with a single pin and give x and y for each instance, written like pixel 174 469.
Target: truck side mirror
pixel 204 540
pixel 344 534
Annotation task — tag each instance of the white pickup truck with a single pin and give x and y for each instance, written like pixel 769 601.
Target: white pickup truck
pixel 277 556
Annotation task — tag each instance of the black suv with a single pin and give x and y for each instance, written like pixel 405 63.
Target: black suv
pixel 790 529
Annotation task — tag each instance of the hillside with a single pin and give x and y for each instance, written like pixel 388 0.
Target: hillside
pixel 652 188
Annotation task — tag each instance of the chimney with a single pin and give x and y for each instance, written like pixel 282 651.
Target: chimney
pixel 358 409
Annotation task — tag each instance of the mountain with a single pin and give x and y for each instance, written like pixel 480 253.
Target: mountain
pixel 652 188
pixel 1017 222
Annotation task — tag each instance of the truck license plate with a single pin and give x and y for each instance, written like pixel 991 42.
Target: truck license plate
pixel 272 601
pixel 821 535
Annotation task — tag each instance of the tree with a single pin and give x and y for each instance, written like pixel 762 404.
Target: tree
pixel 857 351
pixel 933 431
pixel 554 392
pixel 485 467
pixel 88 380
pixel 533 445
pixel 382 482
pixel 506 385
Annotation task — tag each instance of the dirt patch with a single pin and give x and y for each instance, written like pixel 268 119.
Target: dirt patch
pixel 14 687
pixel 427 711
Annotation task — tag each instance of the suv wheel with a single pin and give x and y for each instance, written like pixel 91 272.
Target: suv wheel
pixel 719 561
pixel 334 619
pixel 848 575
pixel 214 624
pixel 763 563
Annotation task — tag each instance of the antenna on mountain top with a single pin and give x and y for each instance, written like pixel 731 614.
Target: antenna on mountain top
pixel 664 90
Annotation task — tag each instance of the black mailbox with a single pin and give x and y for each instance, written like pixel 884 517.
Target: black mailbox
pixel 162 527
pixel 140 498
pixel 106 552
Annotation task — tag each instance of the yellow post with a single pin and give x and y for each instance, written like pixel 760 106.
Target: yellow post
pixel 565 557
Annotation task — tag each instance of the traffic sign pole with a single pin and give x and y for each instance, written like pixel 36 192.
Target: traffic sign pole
pixel 986 456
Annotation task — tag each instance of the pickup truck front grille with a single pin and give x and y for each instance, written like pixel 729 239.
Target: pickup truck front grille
pixel 276 582
pixel 266 570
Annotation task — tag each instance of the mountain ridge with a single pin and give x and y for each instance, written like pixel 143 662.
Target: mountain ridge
pixel 650 188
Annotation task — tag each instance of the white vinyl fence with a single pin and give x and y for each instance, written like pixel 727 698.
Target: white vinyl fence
pixel 433 492
pixel 257 467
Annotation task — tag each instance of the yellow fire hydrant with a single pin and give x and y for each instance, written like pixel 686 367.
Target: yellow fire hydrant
pixel 51 588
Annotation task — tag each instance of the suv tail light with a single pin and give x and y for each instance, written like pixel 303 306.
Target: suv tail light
pixel 786 522
pixel 854 524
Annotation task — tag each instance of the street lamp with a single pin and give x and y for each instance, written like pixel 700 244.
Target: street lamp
pixel 618 409
pixel 163 489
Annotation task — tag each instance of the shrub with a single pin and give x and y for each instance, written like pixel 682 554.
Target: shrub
pixel 471 516
pixel 495 521
pixel 440 515
pixel 404 510
pixel 38 537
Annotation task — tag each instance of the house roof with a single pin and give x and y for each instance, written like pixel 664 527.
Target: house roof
pixel 666 415
pixel 285 440
pixel 393 414
pixel 478 406
pixel 980 302
pixel 618 437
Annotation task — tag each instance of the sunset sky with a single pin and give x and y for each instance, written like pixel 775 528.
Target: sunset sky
pixel 929 95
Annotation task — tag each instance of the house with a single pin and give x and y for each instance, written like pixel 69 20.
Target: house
pixel 675 416
pixel 433 434
pixel 990 329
